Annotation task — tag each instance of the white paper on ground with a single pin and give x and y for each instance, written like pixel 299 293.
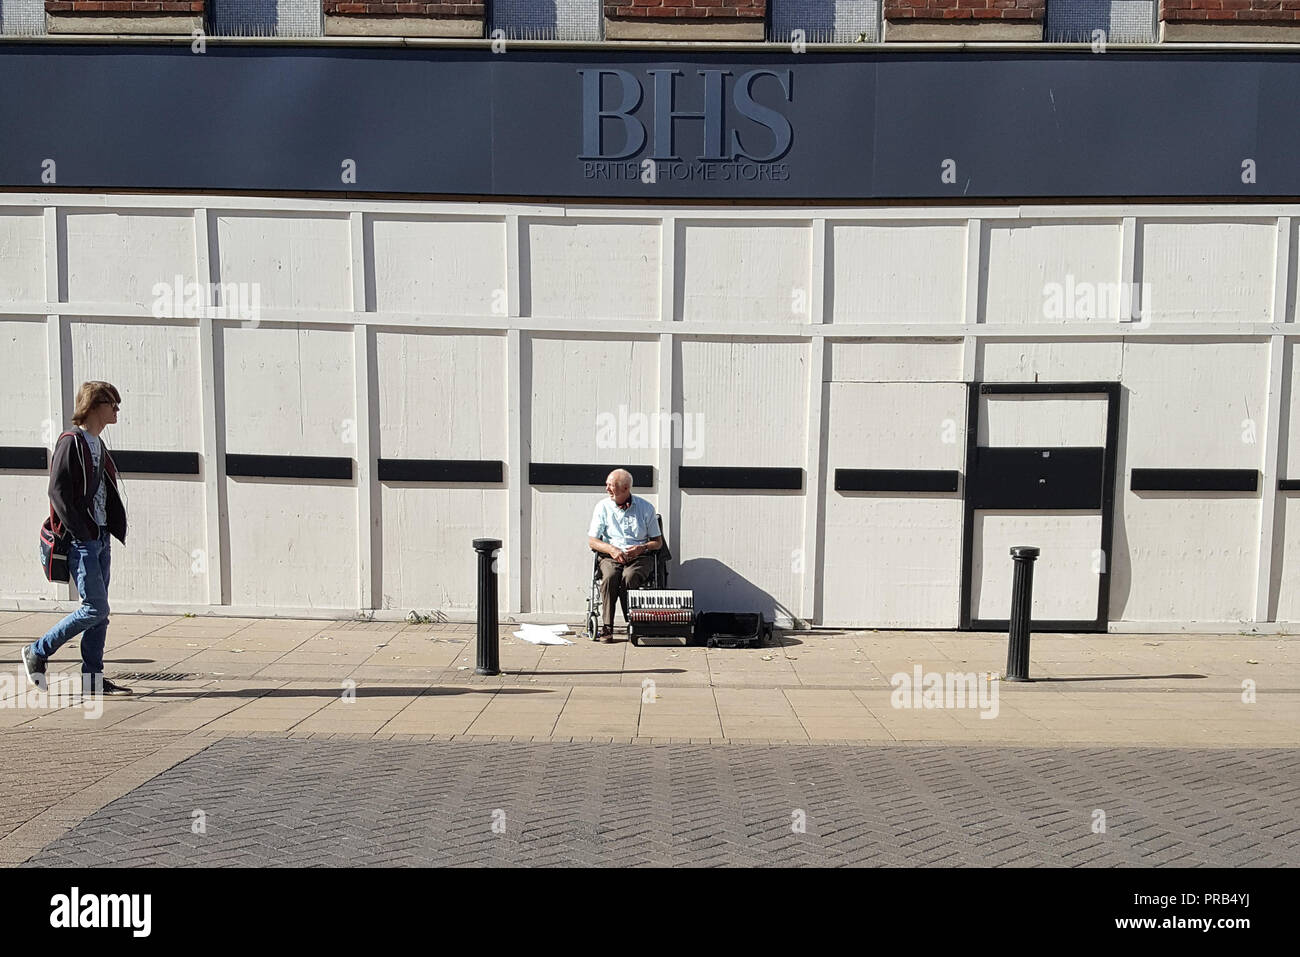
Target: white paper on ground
pixel 543 634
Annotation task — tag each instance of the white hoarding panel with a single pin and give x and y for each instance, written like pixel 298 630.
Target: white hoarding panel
pixel 129 258
pixel 155 367
pixel 592 270
pixel 1207 272
pixel 22 254
pixel 1055 360
pixel 441 396
pixel 165 556
pixel 1031 420
pixel 742 551
pixel 905 272
pixel 289 391
pixel 451 266
pixel 895 360
pixel 25 385
pixel 744 272
pixel 428 561
pixel 748 400
pixel 892 557
pixel 1050 272
pixel 288 262
pixel 294 545
pixel 1065 574
pixel 24 504
pixel 596 401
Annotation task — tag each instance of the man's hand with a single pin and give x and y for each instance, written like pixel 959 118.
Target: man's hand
pixel 618 555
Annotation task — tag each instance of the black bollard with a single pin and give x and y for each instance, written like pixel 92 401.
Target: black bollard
pixel 1022 594
pixel 489 660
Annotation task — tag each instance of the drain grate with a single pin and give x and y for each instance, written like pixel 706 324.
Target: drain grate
pixel 155 676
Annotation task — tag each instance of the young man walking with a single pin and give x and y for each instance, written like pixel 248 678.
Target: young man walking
pixel 86 495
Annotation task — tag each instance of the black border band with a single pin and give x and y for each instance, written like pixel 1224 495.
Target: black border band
pixel 24 457
pixel 478 471
pixel 156 463
pixel 1047 388
pixel 699 476
pixel 1194 480
pixel 896 480
pixel 289 466
pixel 558 473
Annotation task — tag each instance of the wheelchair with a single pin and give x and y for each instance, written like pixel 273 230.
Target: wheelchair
pixel 658 579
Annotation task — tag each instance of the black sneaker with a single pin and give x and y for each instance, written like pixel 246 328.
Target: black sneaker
pixel 98 684
pixel 34 665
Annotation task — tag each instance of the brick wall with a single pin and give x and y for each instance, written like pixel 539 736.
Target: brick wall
pixel 724 9
pixel 1230 11
pixel 465 8
pixel 1016 10
pixel 125 6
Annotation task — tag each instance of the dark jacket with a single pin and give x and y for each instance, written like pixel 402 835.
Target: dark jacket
pixel 72 470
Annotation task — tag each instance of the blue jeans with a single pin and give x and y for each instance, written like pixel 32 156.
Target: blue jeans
pixel 88 566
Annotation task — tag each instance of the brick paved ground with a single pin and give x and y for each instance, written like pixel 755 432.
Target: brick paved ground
pixel 41 769
pixel 282 801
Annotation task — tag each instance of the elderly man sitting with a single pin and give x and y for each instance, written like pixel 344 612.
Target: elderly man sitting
pixel 625 531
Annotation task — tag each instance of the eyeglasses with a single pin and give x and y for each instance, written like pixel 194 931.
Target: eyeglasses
pixel 113 404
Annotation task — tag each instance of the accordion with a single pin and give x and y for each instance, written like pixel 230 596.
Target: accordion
pixel 660 606
pixel 660 613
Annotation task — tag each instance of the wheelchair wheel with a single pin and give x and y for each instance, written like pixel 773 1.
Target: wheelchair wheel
pixel 593 626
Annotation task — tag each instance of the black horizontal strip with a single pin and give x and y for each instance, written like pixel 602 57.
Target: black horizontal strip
pixel 1194 480
pixel 23 457
pixel 1047 624
pixel 442 470
pixel 700 476
pixel 289 466
pixel 1047 388
pixel 554 473
pixel 896 480
pixel 1288 485
pixel 1064 477
pixel 157 463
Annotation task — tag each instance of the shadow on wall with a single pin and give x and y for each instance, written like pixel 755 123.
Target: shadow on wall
pixel 719 587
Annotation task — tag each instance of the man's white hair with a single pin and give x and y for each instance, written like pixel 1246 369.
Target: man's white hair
pixel 623 477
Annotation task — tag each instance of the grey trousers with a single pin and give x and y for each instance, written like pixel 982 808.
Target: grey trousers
pixel 614 576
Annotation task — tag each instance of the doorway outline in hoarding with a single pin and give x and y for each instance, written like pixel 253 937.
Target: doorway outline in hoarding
pixel 1028 478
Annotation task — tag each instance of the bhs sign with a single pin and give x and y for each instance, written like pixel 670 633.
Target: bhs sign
pixel 721 141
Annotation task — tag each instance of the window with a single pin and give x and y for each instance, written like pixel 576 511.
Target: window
pixel 824 21
pixel 1120 21
pixel 546 19
pixel 22 17
pixel 266 18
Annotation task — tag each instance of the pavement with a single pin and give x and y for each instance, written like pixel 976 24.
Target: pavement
pixel 364 710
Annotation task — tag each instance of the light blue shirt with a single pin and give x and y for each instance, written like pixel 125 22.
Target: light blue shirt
pixel 624 528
